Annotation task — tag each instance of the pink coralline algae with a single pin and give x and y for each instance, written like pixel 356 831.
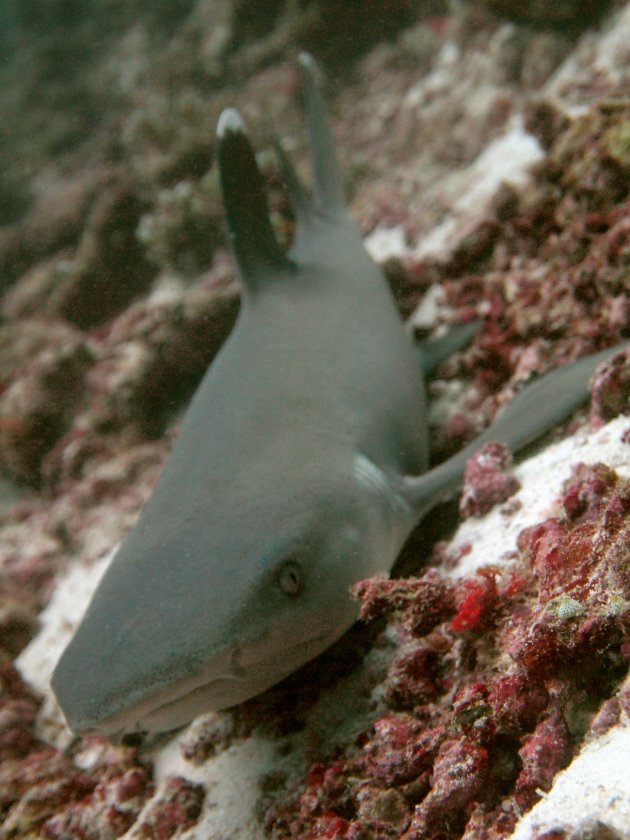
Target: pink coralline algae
pixel 177 809
pixel 107 812
pixel 96 791
pixel 544 752
pixel 490 697
pixel 424 603
pixel 412 676
pixel 460 771
pixel 48 796
pixel 580 562
pixel 486 480
pixel 18 710
pixel 610 388
pixel 34 789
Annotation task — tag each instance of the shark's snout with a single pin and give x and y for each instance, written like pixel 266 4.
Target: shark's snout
pixel 231 677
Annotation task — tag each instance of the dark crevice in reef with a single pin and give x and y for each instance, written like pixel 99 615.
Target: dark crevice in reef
pixel 567 16
pixel 329 28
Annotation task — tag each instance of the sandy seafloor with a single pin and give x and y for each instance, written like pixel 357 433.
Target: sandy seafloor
pixel 487 153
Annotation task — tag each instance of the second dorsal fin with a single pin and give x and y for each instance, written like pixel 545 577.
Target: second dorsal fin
pixel 253 241
pixel 300 198
pixel 328 182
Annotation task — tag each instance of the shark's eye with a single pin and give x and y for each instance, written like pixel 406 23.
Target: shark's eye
pixel 291 577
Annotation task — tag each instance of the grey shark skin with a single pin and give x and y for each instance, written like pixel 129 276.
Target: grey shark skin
pixel 299 470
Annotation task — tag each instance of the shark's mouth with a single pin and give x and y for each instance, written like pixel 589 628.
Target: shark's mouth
pixel 233 676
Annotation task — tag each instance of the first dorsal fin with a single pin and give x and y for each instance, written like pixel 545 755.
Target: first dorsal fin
pixel 328 182
pixel 252 238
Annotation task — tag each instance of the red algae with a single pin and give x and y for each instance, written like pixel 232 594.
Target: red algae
pixel 585 491
pixel 582 613
pixel 554 282
pixel 477 603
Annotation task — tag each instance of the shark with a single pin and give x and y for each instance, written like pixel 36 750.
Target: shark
pixel 301 466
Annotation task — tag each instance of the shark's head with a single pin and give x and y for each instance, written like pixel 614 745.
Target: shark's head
pixel 205 611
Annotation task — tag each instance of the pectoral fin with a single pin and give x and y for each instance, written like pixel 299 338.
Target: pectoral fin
pixel 535 410
pixel 433 351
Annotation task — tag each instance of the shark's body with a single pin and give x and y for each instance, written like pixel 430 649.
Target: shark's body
pixel 299 470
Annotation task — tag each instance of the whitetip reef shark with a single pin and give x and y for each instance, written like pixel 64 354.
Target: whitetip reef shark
pixel 299 470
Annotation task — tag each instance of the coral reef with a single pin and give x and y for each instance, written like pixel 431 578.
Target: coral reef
pixel 488 164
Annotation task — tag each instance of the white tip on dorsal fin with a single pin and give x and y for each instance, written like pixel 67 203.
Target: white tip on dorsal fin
pixel 230 121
